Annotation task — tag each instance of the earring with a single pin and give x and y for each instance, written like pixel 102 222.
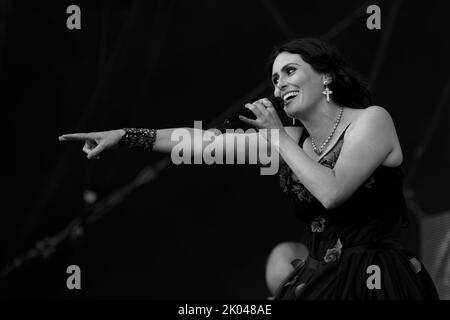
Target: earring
pixel 327 90
pixel 293 121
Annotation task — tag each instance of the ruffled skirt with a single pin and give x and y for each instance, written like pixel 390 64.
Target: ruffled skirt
pixel 386 272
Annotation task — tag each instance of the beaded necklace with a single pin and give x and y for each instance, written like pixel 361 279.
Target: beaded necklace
pixel 336 123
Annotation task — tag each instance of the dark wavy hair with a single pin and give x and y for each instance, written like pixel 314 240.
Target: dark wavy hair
pixel 348 88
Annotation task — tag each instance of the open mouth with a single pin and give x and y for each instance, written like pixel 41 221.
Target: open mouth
pixel 288 97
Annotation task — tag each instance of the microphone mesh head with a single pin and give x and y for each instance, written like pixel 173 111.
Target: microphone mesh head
pixel 277 102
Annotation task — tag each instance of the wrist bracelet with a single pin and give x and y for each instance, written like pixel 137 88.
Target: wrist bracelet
pixel 138 138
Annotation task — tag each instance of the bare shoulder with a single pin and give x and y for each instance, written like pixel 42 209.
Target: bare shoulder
pixel 377 112
pixel 374 126
pixel 375 117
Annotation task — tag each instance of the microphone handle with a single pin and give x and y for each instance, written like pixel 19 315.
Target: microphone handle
pixel 235 118
pixel 277 103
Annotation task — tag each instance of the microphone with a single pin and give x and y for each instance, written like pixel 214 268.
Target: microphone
pixel 234 121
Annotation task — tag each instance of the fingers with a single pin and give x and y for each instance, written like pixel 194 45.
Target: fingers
pixel 95 152
pixel 92 151
pixel 299 289
pixel 75 137
pixel 90 147
pixel 266 102
pixel 257 108
pixel 86 148
pixel 261 107
pixel 248 121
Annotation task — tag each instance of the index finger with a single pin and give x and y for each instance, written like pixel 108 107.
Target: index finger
pixel 74 137
pixel 266 102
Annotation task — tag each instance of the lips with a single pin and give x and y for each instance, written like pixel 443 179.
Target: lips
pixel 290 94
pixel 288 97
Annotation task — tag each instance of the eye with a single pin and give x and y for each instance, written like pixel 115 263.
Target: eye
pixel 290 70
pixel 275 80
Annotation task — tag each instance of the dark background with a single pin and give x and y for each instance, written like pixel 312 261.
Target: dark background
pixel 193 232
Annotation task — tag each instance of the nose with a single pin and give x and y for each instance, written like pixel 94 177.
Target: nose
pixel 280 86
pixel 281 83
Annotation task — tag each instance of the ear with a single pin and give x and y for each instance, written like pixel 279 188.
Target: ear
pixel 326 79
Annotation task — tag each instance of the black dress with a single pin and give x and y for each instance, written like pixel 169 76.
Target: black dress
pixel 353 248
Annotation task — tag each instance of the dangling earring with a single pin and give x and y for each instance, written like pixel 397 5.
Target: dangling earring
pixel 327 90
pixel 293 121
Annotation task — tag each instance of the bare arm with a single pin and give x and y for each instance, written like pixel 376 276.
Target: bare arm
pixel 240 144
pixel 194 142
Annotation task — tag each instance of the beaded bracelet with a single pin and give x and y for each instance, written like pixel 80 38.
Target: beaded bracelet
pixel 138 138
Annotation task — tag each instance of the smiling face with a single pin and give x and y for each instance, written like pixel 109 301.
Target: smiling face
pixel 297 83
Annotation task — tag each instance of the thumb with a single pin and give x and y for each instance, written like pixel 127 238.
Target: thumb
pixel 95 152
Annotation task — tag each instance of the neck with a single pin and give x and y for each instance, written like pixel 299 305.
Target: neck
pixel 319 119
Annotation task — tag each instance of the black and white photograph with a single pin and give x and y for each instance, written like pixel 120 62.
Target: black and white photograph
pixel 211 151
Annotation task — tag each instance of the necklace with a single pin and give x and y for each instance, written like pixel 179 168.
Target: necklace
pixel 322 147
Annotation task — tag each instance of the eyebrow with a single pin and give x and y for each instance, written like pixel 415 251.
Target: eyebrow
pixel 285 67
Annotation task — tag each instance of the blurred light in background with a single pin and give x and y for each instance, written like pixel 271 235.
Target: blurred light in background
pixel 435 250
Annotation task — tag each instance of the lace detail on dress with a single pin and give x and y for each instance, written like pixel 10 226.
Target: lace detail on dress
pixel 318 224
pixel 331 158
pixel 291 184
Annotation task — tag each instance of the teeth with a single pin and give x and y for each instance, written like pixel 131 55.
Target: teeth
pixel 290 94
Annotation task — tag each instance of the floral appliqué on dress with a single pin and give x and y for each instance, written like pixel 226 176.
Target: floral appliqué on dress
pixel 290 183
pixel 318 224
pixel 334 253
